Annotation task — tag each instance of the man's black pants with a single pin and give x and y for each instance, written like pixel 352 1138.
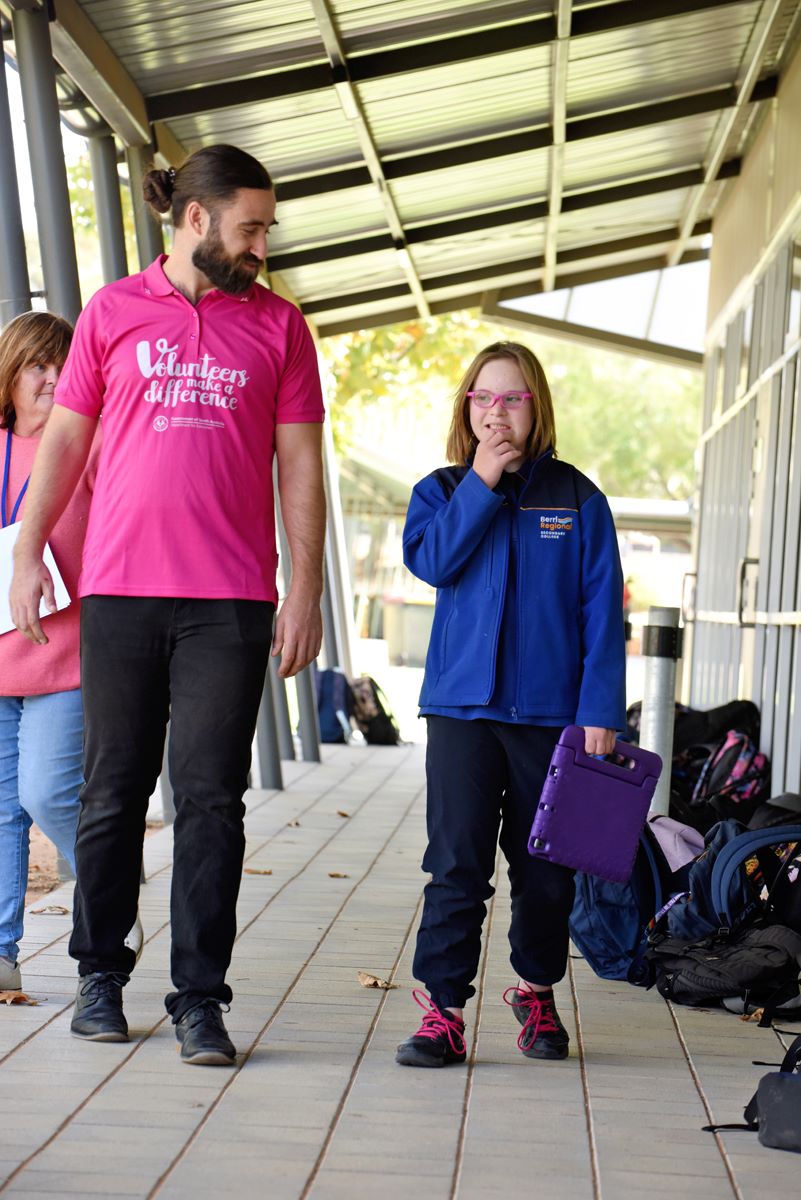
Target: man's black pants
pixel 482 776
pixel 201 664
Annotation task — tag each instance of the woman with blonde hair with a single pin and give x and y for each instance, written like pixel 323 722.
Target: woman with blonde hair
pixel 527 638
pixel 41 722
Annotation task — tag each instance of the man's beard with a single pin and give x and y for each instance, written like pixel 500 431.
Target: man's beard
pixel 231 275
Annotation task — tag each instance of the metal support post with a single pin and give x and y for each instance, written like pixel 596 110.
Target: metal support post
pixel 308 719
pixel 661 648
pixel 330 639
pixel 63 868
pixel 337 582
pixel 286 743
pixel 267 740
pixel 167 795
pixel 309 723
pixel 108 206
pixel 149 237
pixel 50 191
pixel 15 287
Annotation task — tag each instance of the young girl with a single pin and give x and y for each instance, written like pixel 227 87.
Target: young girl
pixel 527 638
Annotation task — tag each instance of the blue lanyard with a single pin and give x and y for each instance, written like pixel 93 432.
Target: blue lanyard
pixel 15 509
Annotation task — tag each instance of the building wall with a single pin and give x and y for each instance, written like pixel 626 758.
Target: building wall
pixel 760 202
pixel 746 624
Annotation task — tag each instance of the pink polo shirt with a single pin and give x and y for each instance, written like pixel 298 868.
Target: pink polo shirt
pixel 190 397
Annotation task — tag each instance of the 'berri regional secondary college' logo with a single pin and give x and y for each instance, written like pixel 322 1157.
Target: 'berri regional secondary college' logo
pixel 555 525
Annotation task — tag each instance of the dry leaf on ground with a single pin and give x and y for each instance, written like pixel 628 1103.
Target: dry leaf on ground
pixel 16 998
pixel 57 910
pixel 256 871
pixel 341 813
pixel 756 1015
pixel 373 981
pixel 338 875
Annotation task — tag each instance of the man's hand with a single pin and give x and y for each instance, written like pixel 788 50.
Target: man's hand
pixel 598 741
pixel 298 633
pixel 493 453
pixel 31 581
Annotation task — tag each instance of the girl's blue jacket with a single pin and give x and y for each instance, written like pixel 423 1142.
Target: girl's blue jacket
pixel 569 593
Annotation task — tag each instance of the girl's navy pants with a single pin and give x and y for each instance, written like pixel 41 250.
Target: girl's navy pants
pixel 486 776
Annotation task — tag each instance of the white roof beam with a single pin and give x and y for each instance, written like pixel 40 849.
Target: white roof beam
pixel 563 13
pixel 586 335
pixel 352 108
pixel 774 10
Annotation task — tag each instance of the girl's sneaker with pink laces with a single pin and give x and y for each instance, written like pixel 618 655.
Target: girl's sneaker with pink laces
pixel 438 1042
pixel 543 1035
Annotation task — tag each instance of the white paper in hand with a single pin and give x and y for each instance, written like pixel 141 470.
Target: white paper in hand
pixel 8 537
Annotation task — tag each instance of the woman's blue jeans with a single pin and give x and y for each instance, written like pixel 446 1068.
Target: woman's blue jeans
pixel 41 745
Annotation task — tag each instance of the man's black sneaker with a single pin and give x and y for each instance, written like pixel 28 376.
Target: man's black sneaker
pixel 543 1035
pixel 98 1015
pixel 437 1043
pixel 204 1038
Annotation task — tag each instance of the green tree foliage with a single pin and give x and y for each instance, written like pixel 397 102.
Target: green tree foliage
pixel 84 221
pixel 631 425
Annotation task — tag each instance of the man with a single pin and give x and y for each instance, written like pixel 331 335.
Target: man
pixel 201 376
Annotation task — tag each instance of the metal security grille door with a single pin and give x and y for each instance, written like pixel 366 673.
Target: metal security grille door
pixel 747 638
pixel 723 541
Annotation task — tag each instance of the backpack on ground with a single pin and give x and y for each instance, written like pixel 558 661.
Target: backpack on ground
pixel 335 704
pixel 711 783
pixel 735 934
pixel 611 922
pixel 736 775
pixel 738 878
pixel 774 1110
pixel 699 727
pixel 372 713
pixel 784 809
pixel 716 769
pixel 759 963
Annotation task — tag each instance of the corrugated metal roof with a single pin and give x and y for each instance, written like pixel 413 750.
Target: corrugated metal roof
pixel 508 180
pixel 288 135
pixel 635 66
pixel 638 152
pixel 180 43
pixel 368 24
pixel 439 121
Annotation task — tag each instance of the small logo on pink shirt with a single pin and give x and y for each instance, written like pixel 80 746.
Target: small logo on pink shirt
pixel 160 424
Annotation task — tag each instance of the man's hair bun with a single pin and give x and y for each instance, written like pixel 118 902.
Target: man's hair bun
pixel 157 189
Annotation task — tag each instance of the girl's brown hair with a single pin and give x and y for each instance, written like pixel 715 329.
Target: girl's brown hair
pixel 461 439
pixel 32 337
pixel 212 176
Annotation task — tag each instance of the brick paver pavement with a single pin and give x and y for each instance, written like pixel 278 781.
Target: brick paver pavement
pixel 316 1107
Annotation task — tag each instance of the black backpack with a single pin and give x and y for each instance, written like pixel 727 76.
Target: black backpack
pixel 372 713
pixel 760 963
pixel 703 740
pixel 736 931
pixel 774 1110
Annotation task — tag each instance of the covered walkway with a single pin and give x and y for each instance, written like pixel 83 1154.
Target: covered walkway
pixel 316 1106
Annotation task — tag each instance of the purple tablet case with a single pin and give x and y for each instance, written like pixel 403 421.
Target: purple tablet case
pixel 592 810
